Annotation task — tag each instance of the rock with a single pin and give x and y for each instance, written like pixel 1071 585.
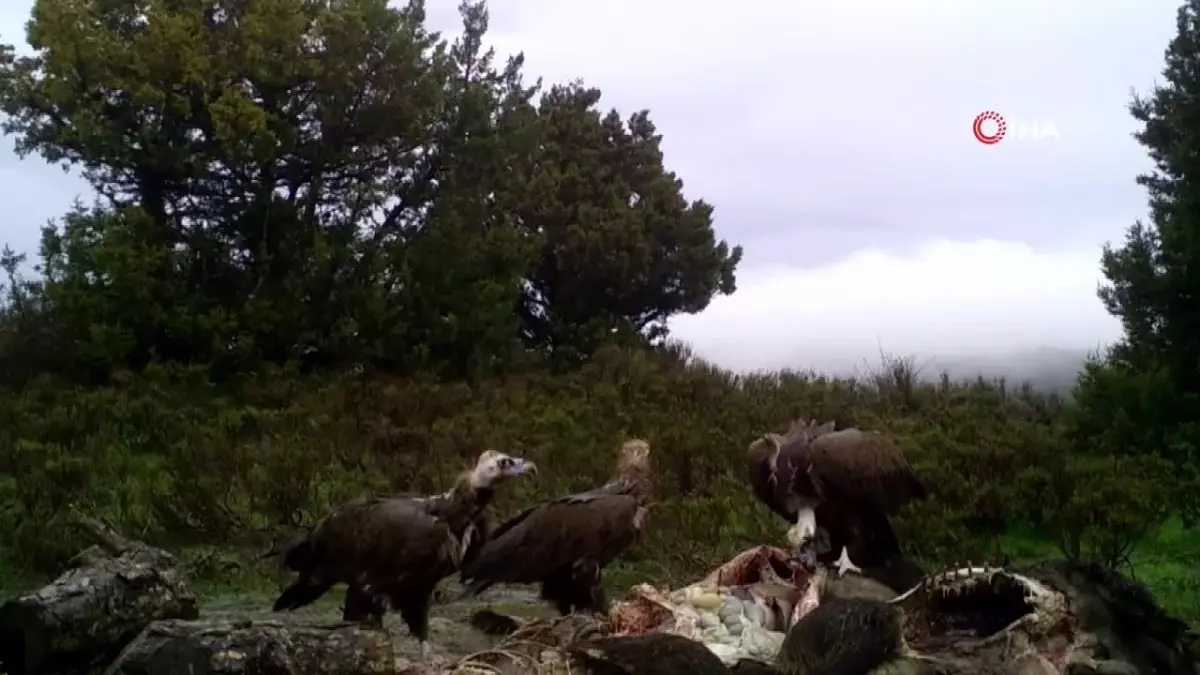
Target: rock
pixel 856 586
pixel 843 635
pixel 1115 668
pixel 1054 617
pixel 226 647
pixel 751 667
pixel 1129 632
pixel 653 654
pixel 1034 664
pixel 491 622
pixel 84 617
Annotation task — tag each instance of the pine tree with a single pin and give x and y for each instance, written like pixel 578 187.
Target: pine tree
pixel 1144 398
pixel 1155 276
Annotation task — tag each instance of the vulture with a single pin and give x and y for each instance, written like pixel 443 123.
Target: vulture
pixel 392 551
pixel 848 481
pixel 564 544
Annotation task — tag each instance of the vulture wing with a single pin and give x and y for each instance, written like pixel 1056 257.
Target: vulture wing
pixel 547 537
pixel 859 466
pixel 615 487
pixel 618 486
pixel 384 536
pixel 509 524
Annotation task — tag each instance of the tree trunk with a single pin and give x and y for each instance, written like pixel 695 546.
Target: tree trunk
pixel 82 619
pixel 214 647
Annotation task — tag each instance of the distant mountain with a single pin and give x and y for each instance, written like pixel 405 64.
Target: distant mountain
pixel 1048 369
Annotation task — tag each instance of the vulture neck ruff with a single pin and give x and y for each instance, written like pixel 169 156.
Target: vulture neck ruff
pixel 469 492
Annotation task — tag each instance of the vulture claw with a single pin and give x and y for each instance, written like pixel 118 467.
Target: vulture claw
pixel 844 565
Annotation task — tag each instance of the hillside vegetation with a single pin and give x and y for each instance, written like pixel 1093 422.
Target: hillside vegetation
pixel 223 470
pixel 336 255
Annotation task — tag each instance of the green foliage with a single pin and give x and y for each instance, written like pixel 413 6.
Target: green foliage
pixel 621 247
pixel 210 470
pixel 287 181
pixel 1144 400
pixel 169 457
pixel 1101 508
pixel 1124 412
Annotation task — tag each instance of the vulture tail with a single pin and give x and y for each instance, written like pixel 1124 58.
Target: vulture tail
pixel 295 554
pixel 303 592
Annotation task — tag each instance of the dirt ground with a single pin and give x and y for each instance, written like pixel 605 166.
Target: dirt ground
pixel 451 635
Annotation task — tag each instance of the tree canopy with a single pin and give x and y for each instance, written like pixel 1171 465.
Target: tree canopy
pixel 290 181
pixel 1143 399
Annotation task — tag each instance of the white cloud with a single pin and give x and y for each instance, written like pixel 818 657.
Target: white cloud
pixel 834 141
pixel 945 299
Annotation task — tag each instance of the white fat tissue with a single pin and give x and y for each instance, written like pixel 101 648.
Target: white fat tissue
pixel 740 611
pixel 804 529
pixel 809 601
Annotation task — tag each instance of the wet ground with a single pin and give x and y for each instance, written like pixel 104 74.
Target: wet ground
pixel 451 635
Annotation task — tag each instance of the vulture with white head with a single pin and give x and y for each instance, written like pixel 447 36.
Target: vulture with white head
pixel 849 482
pixel 564 544
pixel 394 550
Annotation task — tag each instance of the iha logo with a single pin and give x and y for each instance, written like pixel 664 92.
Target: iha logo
pixel 990 128
pixel 995 127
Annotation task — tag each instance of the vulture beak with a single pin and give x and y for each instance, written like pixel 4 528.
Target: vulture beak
pixel 806 555
pixel 520 467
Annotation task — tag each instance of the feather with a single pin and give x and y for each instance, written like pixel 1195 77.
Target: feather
pixel 557 534
pixel 565 543
pixel 851 478
pixel 864 466
pixel 395 549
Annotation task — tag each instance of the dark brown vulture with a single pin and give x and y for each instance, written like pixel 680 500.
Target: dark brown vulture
pixel 564 544
pixel 849 481
pixel 394 550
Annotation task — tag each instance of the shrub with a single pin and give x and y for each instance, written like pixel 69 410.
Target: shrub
pixel 171 458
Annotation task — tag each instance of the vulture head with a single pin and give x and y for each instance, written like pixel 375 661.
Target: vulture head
pixel 496 467
pixel 635 454
pixel 634 467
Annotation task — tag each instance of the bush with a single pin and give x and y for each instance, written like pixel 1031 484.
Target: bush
pixel 1101 508
pixel 171 458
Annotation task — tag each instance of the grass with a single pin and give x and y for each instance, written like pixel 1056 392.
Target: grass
pixel 1170 567
pixel 1168 564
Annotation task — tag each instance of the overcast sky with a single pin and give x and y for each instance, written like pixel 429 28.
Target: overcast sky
pixel 835 140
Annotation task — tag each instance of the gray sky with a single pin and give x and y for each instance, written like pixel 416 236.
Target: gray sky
pixel 835 141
